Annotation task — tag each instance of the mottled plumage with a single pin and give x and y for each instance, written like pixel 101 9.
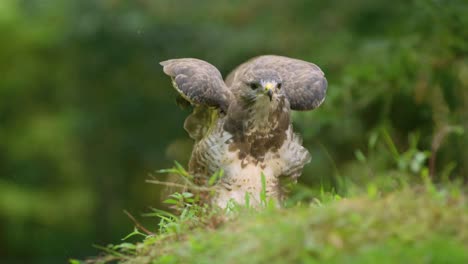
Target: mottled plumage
pixel 243 125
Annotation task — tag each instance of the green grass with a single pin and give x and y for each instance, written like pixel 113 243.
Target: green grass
pixel 388 212
pixel 411 225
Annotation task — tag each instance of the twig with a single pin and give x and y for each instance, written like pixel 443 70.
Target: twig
pixel 138 224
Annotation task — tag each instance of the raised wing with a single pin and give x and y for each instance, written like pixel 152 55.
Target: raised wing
pixel 304 83
pixel 198 82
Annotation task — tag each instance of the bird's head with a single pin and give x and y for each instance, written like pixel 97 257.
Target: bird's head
pixel 262 84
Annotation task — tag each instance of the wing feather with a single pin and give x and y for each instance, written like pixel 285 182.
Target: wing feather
pixel 198 82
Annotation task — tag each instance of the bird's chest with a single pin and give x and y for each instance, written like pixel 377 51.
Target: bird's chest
pixel 258 136
pixel 250 177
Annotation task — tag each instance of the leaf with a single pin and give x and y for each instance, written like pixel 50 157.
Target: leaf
pixel 170 201
pixel 458 130
pixel 134 233
pixel 110 251
pixel 263 191
pixel 247 200
pixel 181 171
pixel 360 156
pixel 176 196
pixel 160 213
pixel 187 195
pixel 373 140
pixel 215 177
pixel 391 145
pixel 126 245
pixel 178 169
pixel 167 171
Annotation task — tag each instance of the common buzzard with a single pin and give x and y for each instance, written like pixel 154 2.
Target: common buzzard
pixel 242 125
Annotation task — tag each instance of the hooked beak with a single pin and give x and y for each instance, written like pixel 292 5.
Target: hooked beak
pixel 270 94
pixel 269 89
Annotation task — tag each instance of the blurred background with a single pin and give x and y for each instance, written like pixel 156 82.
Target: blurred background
pixel 86 112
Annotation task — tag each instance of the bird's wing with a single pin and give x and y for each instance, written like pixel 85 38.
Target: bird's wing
pixel 198 82
pixel 304 83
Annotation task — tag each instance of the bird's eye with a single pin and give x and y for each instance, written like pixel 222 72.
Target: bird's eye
pixel 279 86
pixel 253 86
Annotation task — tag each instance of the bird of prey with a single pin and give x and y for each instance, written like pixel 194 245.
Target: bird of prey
pixel 242 125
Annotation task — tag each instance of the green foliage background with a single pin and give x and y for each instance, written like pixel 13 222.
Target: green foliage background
pixel 86 112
